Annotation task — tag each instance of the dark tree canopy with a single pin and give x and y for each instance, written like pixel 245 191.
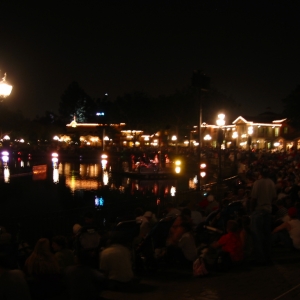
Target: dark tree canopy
pixel 292 107
pixel 76 102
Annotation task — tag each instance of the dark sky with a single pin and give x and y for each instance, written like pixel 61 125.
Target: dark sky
pixel 250 49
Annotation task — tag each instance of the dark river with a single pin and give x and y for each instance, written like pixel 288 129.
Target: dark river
pixel 57 199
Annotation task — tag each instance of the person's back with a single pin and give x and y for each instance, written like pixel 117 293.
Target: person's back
pixel 12 282
pixel 115 262
pixel 295 232
pixel 83 282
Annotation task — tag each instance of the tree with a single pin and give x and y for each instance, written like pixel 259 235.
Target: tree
pixel 75 102
pixel 292 107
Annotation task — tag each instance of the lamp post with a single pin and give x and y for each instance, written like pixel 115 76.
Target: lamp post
pixel 5 88
pixel 249 140
pixel 220 123
pixel 235 136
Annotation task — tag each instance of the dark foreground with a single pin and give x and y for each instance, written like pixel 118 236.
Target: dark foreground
pixel 279 280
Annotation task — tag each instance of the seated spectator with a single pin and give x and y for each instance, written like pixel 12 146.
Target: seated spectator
pixel 172 211
pixel 185 216
pixel 82 281
pixel 42 270
pixel 116 262
pixel 288 233
pixel 63 255
pixel 212 205
pixel 182 250
pixel 86 238
pixel 231 245
pixel 281 215
pixel 196 215
pixel 13 284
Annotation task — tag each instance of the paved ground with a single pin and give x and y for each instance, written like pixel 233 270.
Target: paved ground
pixel 280 280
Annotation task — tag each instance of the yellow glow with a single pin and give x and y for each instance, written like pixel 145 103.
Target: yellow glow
pixel 202 174
pixel 177 162
pixel 234 135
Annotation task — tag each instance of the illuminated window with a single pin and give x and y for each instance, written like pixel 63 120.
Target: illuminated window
pixel 276 131
pixel 285 130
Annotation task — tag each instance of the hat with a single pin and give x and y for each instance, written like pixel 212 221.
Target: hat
pixel 76 228
pixel 293 212
pixel 148 214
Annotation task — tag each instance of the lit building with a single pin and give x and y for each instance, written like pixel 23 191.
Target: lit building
pixel 261 132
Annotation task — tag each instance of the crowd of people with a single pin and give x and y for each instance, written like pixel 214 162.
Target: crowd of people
pixel 260 212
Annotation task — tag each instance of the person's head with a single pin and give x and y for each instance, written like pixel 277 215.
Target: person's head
pixel 59 242
pixel 42 246
pixel 232 226
pixel 148 215
pixel 76 229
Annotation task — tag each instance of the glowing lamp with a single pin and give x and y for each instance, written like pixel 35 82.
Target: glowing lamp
pixel 5 88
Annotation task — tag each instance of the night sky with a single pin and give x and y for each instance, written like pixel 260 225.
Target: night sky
pixel 249 49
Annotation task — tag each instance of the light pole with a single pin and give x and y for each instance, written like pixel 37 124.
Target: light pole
pixel 235 136
pixel 220 122
pixel 5 88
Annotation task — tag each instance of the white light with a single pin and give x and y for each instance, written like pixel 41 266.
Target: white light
pixel 207 137
pixel 250 130
pixel 202 174
pixel 5 158
pixel 56 138
pixel 6 175
pixel 234 135
pixel 54 160
pixel 174 138
pixel 195 179
pixel 106 138
pixel 202 165
pixel 5 153
pixel 221 120
pixel 276 144
pixel 6 137
pixel 5 89
pixel 21 141
pixel 104 156
pixel 54 154
pixel 173 191
pixel 177 162
pixel 177 169
pixel 55 175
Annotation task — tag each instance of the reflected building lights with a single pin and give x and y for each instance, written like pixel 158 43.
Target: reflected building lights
pixel 105 178
pixel 6 174
pixel 55 175
pixel 173 191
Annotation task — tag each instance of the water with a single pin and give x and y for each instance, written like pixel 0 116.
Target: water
pixel 55 200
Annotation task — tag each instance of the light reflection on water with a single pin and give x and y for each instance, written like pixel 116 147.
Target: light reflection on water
pixel 83 176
